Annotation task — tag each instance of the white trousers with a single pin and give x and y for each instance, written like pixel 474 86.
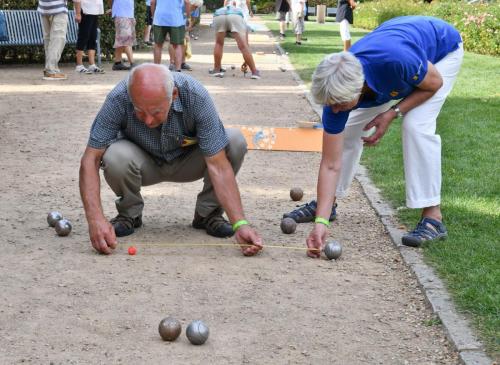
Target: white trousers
pixel 54 38
pixel 345 35
pixel 421 144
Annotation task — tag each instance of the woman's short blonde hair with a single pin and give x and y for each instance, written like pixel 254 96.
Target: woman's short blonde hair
pixel 338 79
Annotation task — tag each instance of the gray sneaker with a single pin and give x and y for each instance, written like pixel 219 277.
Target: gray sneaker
pixel 186 66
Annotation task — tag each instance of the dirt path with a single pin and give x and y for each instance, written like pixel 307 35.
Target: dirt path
pixel 61 303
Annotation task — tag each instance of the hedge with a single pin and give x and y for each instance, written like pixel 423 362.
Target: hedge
pixel 479 24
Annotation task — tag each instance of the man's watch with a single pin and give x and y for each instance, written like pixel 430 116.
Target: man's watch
pixel 399 113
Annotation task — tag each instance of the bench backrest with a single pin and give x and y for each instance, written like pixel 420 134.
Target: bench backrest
pixel 24 28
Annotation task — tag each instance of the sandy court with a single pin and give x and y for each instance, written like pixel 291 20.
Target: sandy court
pixel 62 303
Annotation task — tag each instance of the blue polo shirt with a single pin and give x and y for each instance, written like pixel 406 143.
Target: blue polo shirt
pixel 169 13
pixel 394 59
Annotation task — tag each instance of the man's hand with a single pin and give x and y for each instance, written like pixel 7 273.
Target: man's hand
pixel 352 3
pixel 316 240
pixel 381 122
pixel 246 236
pixel 102 235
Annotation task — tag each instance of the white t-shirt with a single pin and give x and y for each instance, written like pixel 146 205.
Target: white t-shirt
pixel 92 7
pixel 298 6
pixel 242 4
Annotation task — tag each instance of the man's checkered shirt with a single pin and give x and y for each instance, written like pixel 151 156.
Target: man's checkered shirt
pixel 192 115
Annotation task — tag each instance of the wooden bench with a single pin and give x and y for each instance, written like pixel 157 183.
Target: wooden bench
pixel 24 28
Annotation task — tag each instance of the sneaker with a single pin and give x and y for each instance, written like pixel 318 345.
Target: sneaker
pixel 282 36
pixel 307 212
pixel 148 43
pixel 217 73
pixel 132 65
pixel 298 43
pixel 256 75
pixel 96 70
pixel 212 71
pixel 186 66
pixel 120 66
pixel 82 70
pixel 427 230
pixel 54 76
pixel 214 224
pixel 125 226
pixel 171 67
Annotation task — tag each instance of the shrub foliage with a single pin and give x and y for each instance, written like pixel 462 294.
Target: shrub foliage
pixel 479 23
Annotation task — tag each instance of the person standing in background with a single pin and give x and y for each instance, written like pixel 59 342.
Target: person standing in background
pixel 86 15
pixel 282 7
pixel 54 15
pixel 123 13
pixel 168 18
pixel 344 18
pixel 298 20
pixel 149 24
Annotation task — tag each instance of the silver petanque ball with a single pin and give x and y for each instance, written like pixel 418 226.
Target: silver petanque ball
pixel 53 217
pixel 197 332
pixel 169 329
pixel 63 227
pixel 332 250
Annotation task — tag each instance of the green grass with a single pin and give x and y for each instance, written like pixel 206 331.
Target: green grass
pixel 469 261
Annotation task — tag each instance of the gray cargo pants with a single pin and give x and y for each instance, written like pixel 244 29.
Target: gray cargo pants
pixel 127 167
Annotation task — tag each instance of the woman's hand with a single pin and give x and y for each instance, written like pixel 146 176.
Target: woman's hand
pixel 381 123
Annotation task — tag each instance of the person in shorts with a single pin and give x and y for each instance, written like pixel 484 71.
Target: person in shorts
pixel 282 7
pixel 298 12
pixel 345 17
pixel 168 19
pixel 230 19
pixel 149 24
pixel 123 13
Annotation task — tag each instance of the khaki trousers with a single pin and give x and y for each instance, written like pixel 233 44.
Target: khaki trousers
pixel 54 38
pixel 127 167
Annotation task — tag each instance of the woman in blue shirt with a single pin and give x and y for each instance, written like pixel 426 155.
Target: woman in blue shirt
pixel 413 59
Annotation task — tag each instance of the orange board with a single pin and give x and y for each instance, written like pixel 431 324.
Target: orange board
pixel 282 139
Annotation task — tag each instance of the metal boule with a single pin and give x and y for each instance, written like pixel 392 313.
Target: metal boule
pixel 63 227
pixel 197 332
pixel 53 217
pixel 332 250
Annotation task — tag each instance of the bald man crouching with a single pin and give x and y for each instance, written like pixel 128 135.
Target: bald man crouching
pixel 160 126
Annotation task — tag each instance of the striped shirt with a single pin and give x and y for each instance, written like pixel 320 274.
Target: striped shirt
pixel 192 122
pixel 52 7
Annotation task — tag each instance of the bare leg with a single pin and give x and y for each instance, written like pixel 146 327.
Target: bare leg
pixel 171 53
pixel 282 27
pixel 157 52
pixel 147 33
pixel 218 50
pixel 118 54
pixel 91 54
pixel 347 45
pixel 433 212
pixel 245 51
pixel 128 52
pixel 79 57
pixel 178 55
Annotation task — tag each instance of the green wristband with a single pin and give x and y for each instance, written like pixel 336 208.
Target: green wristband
pixel 322 221
pixel 238 224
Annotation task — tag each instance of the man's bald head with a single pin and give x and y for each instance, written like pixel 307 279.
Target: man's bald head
pixel 150 80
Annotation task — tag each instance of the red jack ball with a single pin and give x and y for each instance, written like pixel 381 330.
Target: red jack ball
pixel 132 250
